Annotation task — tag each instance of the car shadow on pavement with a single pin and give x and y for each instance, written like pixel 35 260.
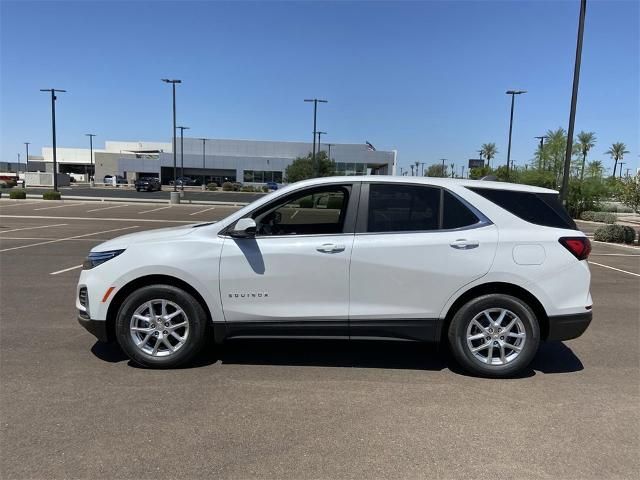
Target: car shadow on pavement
pixel 552 357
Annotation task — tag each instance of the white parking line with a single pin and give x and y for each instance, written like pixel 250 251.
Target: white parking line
pixel 67 238
pixel 202 211
pixel 616 269
pixel 614 255
pixel 19 203
pixel 65 270
pixel 58 206
pixel 106 208
pixel 33 228
pixel 98 219
pixel 154 210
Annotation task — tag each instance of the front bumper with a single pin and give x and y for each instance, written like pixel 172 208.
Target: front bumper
pixel 97 328
pixel 566 327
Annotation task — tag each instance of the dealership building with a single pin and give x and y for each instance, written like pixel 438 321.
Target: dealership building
pixel 210 160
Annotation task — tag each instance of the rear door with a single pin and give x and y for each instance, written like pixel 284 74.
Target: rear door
pixel 415 245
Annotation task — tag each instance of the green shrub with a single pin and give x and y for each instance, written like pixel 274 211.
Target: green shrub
pixel 17 194
pixel 629 234
pixel 587 215
pixel 3 184
pixel 604 217
pixel 51 195
pixel 615 233
pixel 212 186
pixel 247 188
pixel 265 189
pixel 227 186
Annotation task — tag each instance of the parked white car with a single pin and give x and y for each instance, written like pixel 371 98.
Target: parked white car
pixel 490 268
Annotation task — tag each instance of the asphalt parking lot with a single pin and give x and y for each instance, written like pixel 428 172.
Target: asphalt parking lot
pixel 74 408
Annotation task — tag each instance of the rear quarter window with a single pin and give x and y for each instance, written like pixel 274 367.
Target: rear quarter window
pixel 539 208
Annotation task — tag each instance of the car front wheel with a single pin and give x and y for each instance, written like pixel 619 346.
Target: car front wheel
pixel 161 326
pixel 494 335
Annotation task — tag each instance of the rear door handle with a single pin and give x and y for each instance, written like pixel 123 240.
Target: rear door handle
pixel 330 248
pixel 464 244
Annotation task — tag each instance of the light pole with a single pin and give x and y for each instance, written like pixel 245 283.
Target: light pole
pixel 542 138
pixel 204 178
pixel 574 100
pixel 26 144
pixel 513 94
pixel 182 129
pixel 443 167
pixel 329 145
pixel 175 168
pixel 18 172
pixel 315 117
pixel 53 133
pixel 92 171
pixel 621 163
pixel 319 137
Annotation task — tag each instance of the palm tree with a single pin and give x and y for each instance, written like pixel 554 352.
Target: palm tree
pixel 417 169
pixel 586 141
pixel 617 152
pixel 489 151
pixel 595 169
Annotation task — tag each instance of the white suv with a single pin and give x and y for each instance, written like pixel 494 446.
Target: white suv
pixel 491 268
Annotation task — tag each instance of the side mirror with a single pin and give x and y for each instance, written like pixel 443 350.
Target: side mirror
pixel 244 228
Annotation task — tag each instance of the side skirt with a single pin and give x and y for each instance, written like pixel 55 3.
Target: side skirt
pixel 419 330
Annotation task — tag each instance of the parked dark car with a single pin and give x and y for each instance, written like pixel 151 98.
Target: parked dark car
pixel 272 185
pixel 108 179
pixel 148 184
pixel 186 181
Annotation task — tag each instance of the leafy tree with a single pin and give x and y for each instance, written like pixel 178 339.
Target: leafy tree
pixel 629 193
pixel 477 173
pixel 538 177
pixel 437 170
pixel 595 169
pixel 585 195
pixel 302 167
pixel 617 151
pixel 586 141
pixel 489 151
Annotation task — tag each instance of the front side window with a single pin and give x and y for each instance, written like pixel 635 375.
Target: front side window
pixel 312 212
pixel 403 208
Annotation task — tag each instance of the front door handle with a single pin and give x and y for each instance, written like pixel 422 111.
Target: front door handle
pixel 330 248
pixel 464 244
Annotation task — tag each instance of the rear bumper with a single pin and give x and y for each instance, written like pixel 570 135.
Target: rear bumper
pixel 97 328
pixel 566 327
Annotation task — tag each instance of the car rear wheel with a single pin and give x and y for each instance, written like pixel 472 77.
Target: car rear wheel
pixel 161 326
pixel 494 335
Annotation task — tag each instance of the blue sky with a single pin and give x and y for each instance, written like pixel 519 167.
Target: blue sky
pixel 426 78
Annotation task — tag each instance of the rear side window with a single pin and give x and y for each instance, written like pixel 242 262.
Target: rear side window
pixel 456 214
pixel 403 208
pixel 540 208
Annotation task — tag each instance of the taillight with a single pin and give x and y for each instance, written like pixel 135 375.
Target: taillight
pixel 580 247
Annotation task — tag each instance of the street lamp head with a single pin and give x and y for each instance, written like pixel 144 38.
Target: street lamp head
pixel 90 134
pixel 166 80
pixel 515 92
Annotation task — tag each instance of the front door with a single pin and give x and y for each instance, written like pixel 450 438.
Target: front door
pixel 295 272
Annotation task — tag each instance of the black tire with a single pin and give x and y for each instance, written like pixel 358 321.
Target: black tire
pixel 196 318
pixel 464 316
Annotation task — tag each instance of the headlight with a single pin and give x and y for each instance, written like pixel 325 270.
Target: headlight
pixel 96 258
